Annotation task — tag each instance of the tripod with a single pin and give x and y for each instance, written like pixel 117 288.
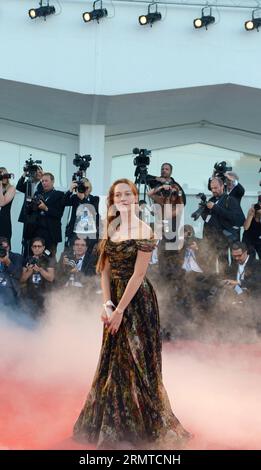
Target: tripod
pixel 141 179
pixel 141 174
pixel 30 218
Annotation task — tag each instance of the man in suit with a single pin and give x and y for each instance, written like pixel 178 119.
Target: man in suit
pixel 10 271
pixel 164 181
pixel 74 268
pixel 30 185
pixel 245 273
pixel 49 210
pixel 222 217
pixel 36 187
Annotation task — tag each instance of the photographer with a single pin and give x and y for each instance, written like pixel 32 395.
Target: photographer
pixel 233 187
pixel 169 197
pixel 193 254
pixel 10 272
pixel 245 274
pixel 7 194
pixel 252 226
pixel 165 182
pixel 171 204
pixel 222 217
pixel 30 184
pixel 48 209
pixel 32 175
pixel 37 277
pixel 84 219
pixel 74 267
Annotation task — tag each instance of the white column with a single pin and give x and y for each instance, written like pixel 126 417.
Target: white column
pixel 92 141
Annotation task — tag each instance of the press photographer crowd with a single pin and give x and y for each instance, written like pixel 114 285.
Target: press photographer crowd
pixel 213 280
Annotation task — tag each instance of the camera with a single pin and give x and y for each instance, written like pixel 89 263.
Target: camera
pixel 220 168
pixel 141 161
pixel 202 205
pixel 83 162
pixel 3 251
pixel 33 261
pixel 169 192
pixel 6 176
pixel 77 178
pixel 31 166
pixel 142 157
pixel 257 206
pixel 69 262
pixel 34 203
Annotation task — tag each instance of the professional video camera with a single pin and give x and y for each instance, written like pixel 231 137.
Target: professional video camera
pixel 202 206
pixel 3 251
pixel 220 168
pixel 83 162
pixel 4 176
pixel 142 157
pixel 141 161
pixel 31 166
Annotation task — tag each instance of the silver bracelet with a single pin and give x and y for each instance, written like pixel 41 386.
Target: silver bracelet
pixel 109 303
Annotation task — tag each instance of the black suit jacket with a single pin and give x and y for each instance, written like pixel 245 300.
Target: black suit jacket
pixel 226 214
pixel 50 221
pixel 88 266
pixel 89 261
pixel 252 274
pixel 21 186
pixel 238 192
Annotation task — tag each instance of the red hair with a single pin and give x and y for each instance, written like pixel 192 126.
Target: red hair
pixel 110 218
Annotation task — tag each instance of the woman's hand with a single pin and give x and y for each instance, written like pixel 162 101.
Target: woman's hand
pixel 105 318
pixel 115 321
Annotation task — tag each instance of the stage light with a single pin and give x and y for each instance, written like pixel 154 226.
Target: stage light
pixel 205 20
pixel 150 18
pixel 43 10
pixel 255 23
pixel 95 14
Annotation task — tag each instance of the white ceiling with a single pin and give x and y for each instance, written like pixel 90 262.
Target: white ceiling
pixel 228 105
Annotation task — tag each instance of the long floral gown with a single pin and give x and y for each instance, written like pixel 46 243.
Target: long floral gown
pixel 127 401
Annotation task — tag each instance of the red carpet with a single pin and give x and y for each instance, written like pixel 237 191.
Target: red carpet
pixel 215 388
